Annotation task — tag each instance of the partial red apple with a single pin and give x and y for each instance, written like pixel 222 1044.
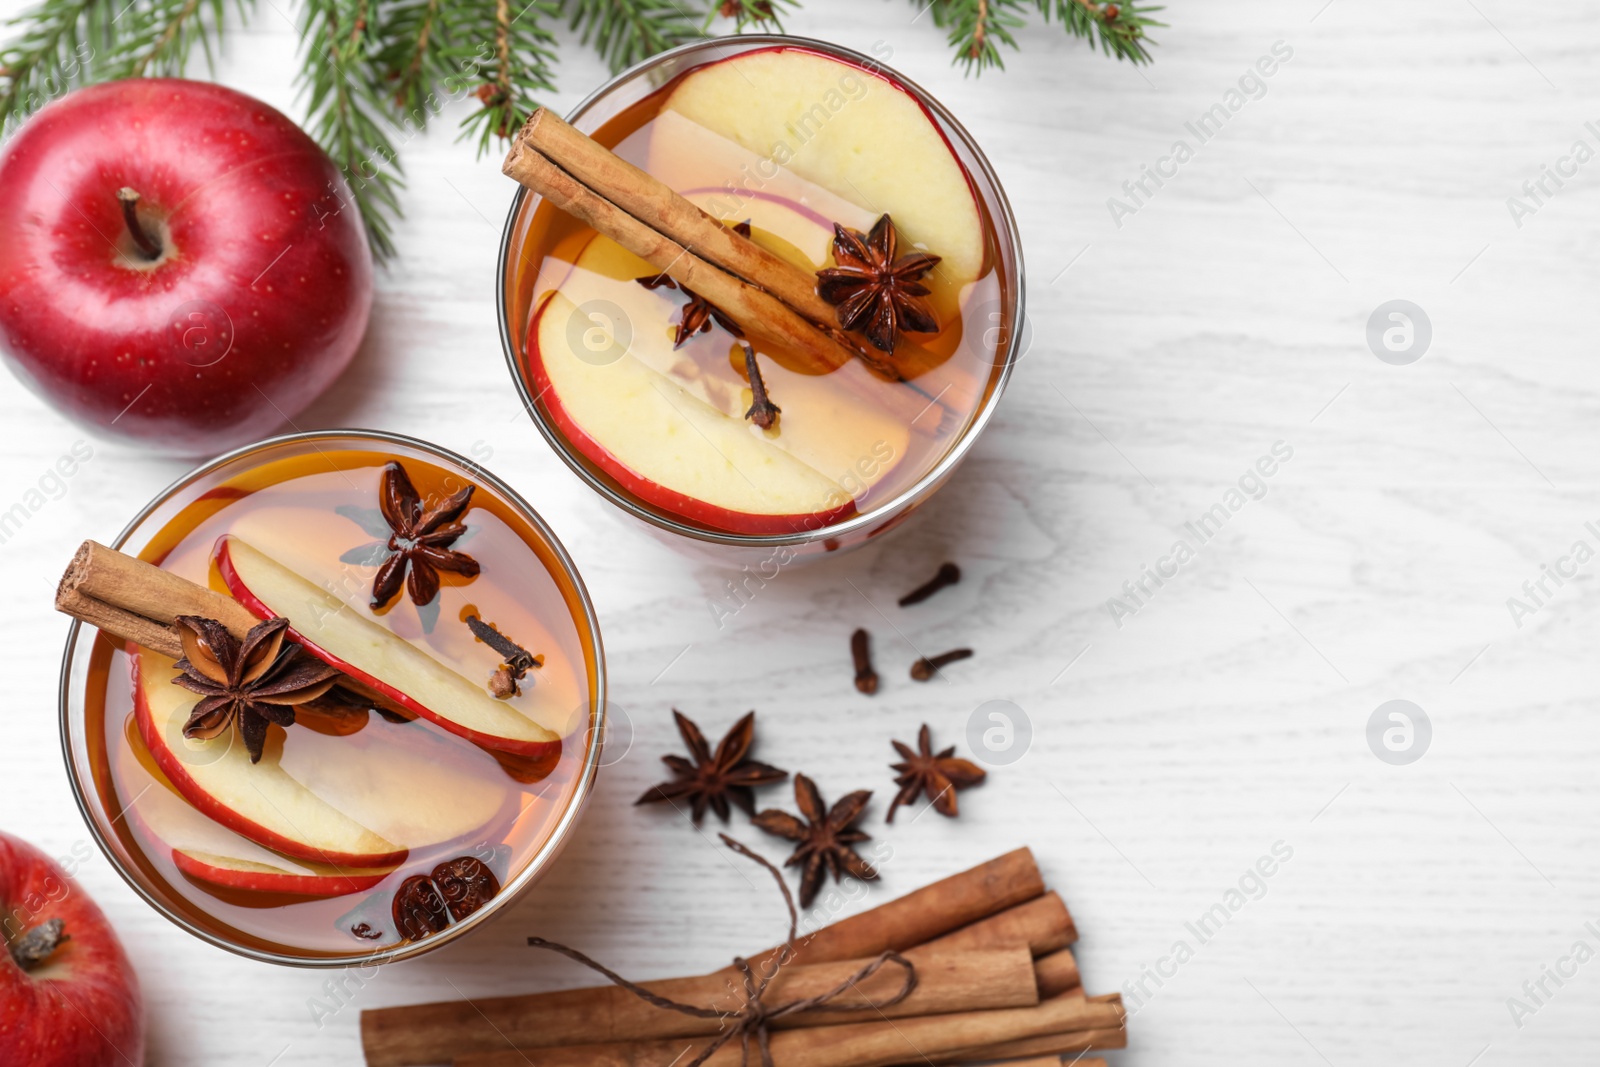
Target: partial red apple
pixel 68 995
pixel 207 311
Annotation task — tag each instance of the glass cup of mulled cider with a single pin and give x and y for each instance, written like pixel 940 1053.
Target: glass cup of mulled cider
pixel 344 701
pixel 785 400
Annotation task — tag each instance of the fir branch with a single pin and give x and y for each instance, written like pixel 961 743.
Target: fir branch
pixel 761 14
pixel 412 52
pixel 50 56
pixel 977 28
pixel 511 52
pixel 1118 28
pixel 346 110
pixel 625 32
pixel 155 37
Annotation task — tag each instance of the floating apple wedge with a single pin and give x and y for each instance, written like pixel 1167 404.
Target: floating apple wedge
pixel 666 445
pixel 829 422
pixel 342 635
pixel 252 876
pixel 257 800
pixel 210 852
pixel 850 131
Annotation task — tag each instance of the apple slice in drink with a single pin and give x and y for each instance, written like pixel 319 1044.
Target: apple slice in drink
pixel 342 635
pixel 663 443
pixel 254 876
pixel 208 851
pixel 829 422
pixel 260 801
pixel 850 131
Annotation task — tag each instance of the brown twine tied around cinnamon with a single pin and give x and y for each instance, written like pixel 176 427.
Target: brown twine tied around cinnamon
pixel 755 1017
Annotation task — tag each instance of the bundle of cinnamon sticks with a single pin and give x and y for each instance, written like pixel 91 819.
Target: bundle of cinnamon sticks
pixel 995 981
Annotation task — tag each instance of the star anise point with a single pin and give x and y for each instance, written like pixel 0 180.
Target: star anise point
pixel 419 543
pixel 823 838
pixel 714 779
pixel 252 683
pixel 877 292
pixel 935 775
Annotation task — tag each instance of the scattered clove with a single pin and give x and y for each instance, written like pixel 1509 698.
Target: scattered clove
pixel 928 666
pixel 518 660
pixel 861 652
pixel 949 574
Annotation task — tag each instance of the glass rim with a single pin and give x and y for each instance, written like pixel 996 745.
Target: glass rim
pixel 583 782
pixel 1006 231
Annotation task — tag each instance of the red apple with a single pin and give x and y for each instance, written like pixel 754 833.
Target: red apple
pixel 68 995
pixel 254 300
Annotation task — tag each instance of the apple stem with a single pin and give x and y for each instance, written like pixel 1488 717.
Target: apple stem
pixel 148 246
pixel 35 946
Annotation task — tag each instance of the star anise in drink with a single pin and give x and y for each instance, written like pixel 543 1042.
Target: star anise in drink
pixel 713 779
pixel 418 547
pixel 823 842
pixel 699 313
pixel 255 683
pixel 936 775
pixel 875 291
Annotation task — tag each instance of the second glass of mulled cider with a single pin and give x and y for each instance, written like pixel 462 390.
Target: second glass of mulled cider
pixel 762 294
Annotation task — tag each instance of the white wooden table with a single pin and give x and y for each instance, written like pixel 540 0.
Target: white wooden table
pixel 1226 313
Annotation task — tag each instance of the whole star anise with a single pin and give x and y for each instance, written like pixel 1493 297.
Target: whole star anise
pixel 255 682
pixel 418 547
pixel 877 293
pixel 699 313
pixel 713 779
pixel 938 776
pixel 823 842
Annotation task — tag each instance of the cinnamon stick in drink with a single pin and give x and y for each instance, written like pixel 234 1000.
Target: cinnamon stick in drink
pixel 645 197
pixel 760 313
pixel 869 1044
pixel 132 587
pixel 131 600
pixel 433 1033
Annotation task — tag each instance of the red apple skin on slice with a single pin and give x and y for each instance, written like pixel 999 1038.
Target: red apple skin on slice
pixel 255 877
pixel 158 712
pixel 233 563
pixel 669 500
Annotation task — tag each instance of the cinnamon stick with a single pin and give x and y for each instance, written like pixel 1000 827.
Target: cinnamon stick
pixel 132 587
pixel 1062 1044
pixel 645 197
pixel 131 600
pixel 432 1033
pixel 1085 1040
pixel 925 914
pixel 1057 973
pixel 1056 1061
pixel 759 312
pixel 1043 924
pixel 869 1044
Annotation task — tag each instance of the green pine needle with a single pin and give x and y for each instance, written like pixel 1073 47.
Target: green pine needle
pixel 626 32
pixel 374 68
pixel 348 111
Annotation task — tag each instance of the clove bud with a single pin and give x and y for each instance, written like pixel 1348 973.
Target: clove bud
pixel 861 652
